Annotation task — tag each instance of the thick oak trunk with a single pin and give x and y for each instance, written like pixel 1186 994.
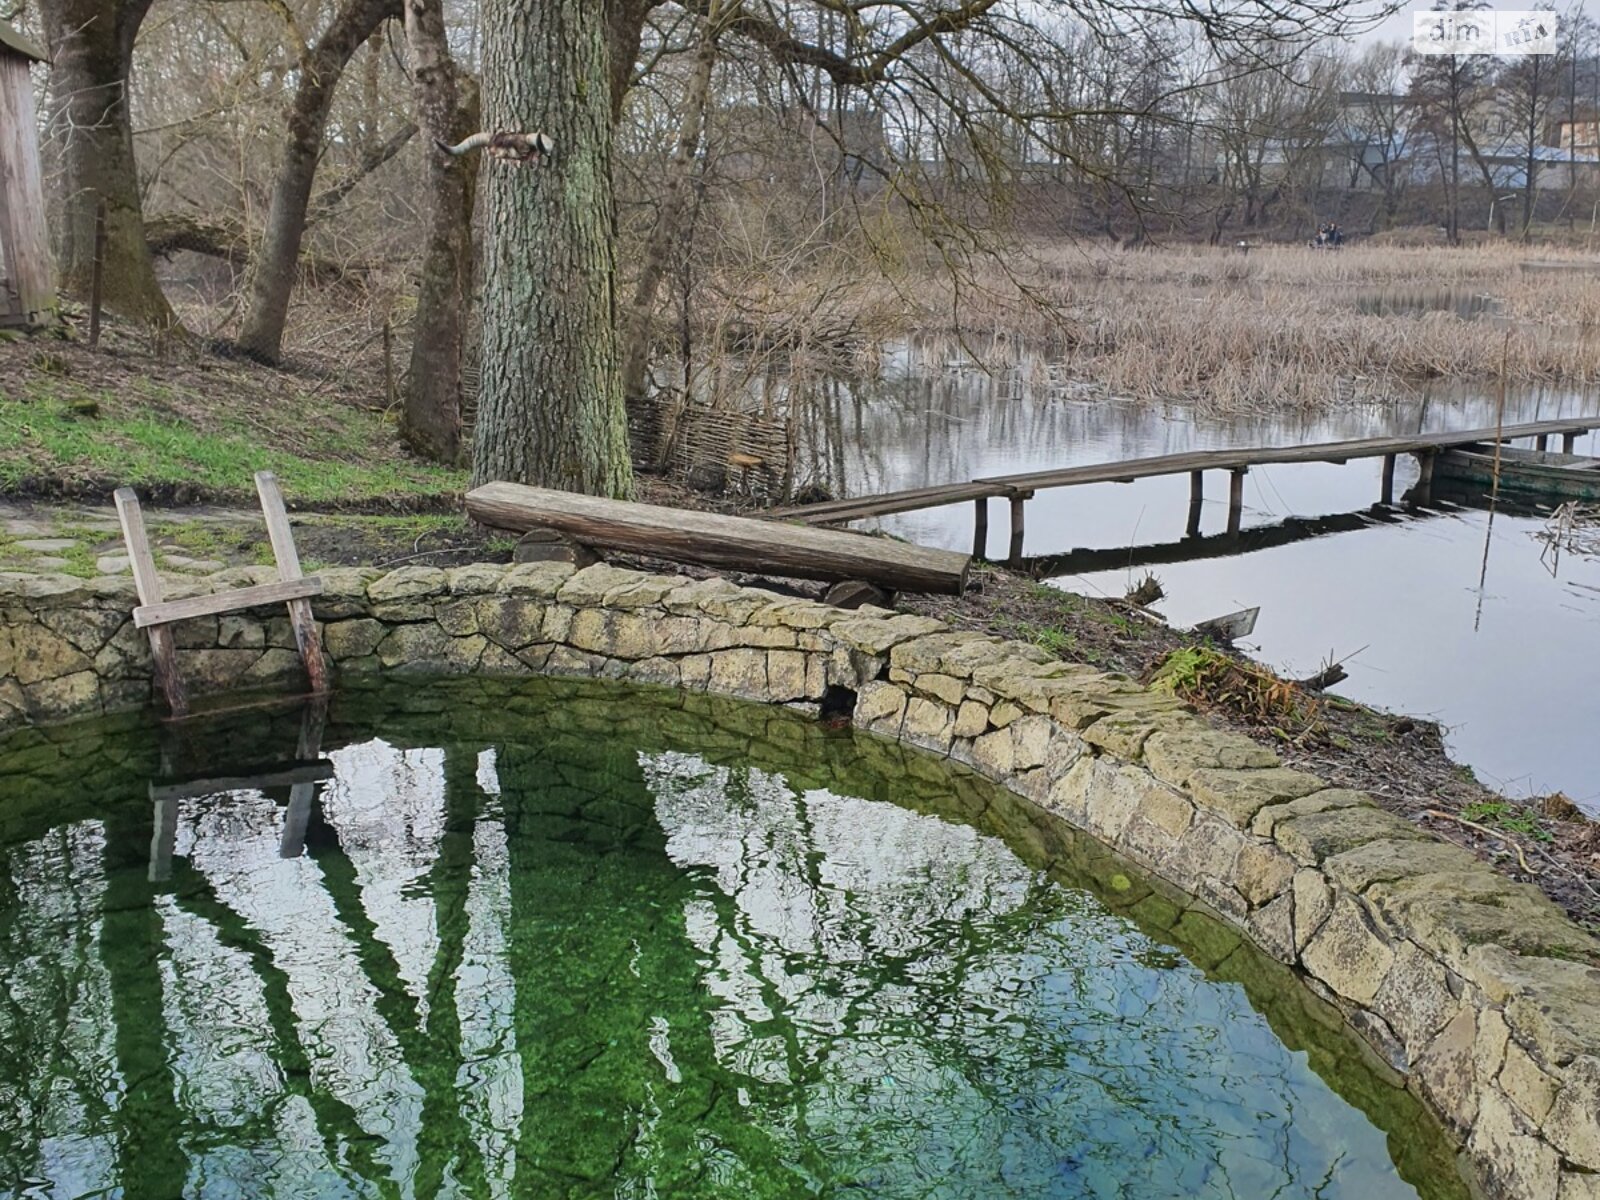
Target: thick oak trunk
pixel 550 405
pixel 262 334
pixel 91 51
pixel 447 110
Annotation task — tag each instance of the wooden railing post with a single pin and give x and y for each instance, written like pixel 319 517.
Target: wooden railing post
pixel 163 652
pixel 980 528
pixel 300 617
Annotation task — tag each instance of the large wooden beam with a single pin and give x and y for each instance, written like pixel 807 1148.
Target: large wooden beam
pixel 710 539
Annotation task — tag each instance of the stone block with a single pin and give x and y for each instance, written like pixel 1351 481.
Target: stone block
pixel 236 631
pixel 39 654
pixel 474 579
pixel 537 581
pixel 1528 1085
pixel 1415 998
pixel 1446 1069
pixel 511 621
pixel 1573 1123
pixel 1272 928
pixel 271 665
pixel 880 635
pixel 1003 713
pixel 1448 913
pixel 352 639
pixel 1313 901
pixel 1266 820
pixel 971 719
pixel 696 671
pixel 459 619
pixel 1311 839
pixel 1386 861
pixel 1239 794
pixel 1514 1160
pixel 786 677
pixel 880 707
pixel 76 694
pixel 992 753
pixel 88 629
pixel 927 724
pixel 1176 753
pixel 564 660
pixel 1031 739
pixel 588 587
pixel 664 671
pixel 954 653
pixel 1348 953
pixel 1124 733
pixel 408 583
pixel 1261 872
pixel 739 672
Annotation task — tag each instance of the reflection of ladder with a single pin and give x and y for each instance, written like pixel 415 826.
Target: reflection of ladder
pixel 300 776
pixel 157 616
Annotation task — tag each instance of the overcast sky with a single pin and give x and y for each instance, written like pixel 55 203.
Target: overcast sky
pixel 1398 27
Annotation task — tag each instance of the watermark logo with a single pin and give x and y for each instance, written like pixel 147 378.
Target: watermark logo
pixel 1484 31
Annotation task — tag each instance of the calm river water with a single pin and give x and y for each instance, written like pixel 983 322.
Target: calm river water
pixel 1507 666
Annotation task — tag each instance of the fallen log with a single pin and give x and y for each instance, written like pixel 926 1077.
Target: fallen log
pixel 713 540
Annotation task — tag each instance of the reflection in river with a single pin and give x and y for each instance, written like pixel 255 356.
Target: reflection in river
pixel 552 940
pixel 1506 667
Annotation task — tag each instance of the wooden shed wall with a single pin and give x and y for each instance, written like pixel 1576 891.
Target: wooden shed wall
pixel 29 289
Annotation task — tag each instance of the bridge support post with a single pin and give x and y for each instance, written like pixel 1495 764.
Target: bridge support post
pixel 1422 493
pixel 1569 443
pixel 1236 498
pixel 1542 443
pixel 980 528
pixel 1018 500
pixel 1197 495
pixel 1386 498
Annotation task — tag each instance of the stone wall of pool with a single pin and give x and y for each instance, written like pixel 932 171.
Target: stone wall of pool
pixel 1476 989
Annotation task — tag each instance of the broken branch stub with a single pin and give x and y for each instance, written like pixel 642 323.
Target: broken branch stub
pixel 518 148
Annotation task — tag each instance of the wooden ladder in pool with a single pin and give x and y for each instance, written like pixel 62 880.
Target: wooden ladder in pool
pixel 157 616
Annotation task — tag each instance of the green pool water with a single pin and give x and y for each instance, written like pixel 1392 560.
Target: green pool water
pixel 560 940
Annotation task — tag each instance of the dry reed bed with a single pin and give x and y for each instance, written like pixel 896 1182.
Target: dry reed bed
pixel 1277 328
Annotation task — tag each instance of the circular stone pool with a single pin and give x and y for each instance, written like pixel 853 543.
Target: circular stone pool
pixel 556 940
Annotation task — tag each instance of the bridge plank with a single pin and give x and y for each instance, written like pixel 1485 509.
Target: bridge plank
pixel 841 511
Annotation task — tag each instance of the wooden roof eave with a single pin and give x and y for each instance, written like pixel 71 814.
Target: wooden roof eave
pixel 25 46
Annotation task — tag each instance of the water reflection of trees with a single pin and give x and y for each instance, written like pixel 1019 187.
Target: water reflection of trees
pixel 565 965
pixel 933 416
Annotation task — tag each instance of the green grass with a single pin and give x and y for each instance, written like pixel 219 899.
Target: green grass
pixel 1513 818
pixel 40 436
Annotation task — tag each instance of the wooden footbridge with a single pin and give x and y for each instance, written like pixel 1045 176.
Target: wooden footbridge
pixel 1020 488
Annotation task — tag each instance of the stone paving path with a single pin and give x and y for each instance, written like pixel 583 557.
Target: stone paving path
pixel 83 539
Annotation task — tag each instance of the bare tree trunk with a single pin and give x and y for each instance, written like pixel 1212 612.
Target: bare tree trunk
pixel 430 422
pixel 91 48
pixel 262 334
pixel 550 409
pixel 670 215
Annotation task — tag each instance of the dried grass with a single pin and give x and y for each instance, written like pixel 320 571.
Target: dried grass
pixel 1279 328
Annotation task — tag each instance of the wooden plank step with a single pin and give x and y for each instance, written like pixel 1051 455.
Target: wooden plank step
pixel 289 777
pixel 234 600
pixel 711 539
